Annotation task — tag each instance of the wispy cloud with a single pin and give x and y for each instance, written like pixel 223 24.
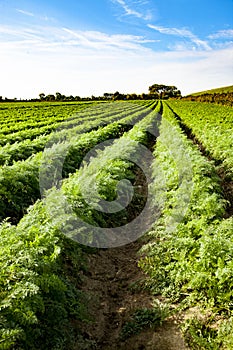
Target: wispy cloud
pixel 181 32
pixel 37 16
pixel 26 13
pixel 222 34
pixel 99 40
pixel 51 38
pixel 129 11
pixel 18 33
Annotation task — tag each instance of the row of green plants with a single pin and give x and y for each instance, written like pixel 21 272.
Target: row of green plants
pixel 10 153
pixel 212 126
pixel 10 113
pixel 19 183
pixel 28 133
pixel 22 112
pixel 37 117
pixel 190 252
pixel 32 133
pixel 41 305
pixel 18 126
pixel 124 159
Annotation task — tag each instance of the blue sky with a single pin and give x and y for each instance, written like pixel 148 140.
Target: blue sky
pixel 86 47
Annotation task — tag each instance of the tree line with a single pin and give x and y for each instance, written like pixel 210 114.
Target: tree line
pixel 156 91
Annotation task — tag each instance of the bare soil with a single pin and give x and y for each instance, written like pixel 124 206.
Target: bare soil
pixel 113 297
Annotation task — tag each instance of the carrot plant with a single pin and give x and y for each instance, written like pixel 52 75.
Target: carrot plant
pixel 191 264
pixel 212 126
pixel 20 182
pixel 41 305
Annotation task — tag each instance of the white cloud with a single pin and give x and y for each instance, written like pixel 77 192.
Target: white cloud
pixel 170 31
pixel 181 32
pixel 222 34
pixel 100 40
pixel 133 12
pixel 15 33
pixel 26 13
pixel 50 59
pixel 51 38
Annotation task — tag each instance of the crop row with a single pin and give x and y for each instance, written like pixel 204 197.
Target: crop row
pixel 40 299
pixel 11 113
pixel 19 183
pixel 32 133
pixel 36 113
pixel 125 158
pixel 212 126
pixel 189 257
pixel 34 120
pixel 22 150
pixel 43 116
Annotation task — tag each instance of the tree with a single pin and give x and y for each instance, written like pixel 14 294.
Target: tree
pixel 60 97
pixel 164 91
pixel 116 95
pixel 42 96
pixel 50 97
pixel 144 96
pixel 70 98
pixel 108 95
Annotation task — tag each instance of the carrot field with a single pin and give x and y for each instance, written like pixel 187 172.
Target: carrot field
pixel 80 179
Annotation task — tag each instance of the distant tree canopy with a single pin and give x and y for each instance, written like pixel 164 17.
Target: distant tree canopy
pixel 58 97
pixel 156 91
pixel 42 96
pixel 164 91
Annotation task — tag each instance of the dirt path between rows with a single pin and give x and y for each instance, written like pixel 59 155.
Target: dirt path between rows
pixel 112 273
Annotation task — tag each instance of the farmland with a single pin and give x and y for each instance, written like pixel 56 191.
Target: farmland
pixel 177 156
pixel 223 96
